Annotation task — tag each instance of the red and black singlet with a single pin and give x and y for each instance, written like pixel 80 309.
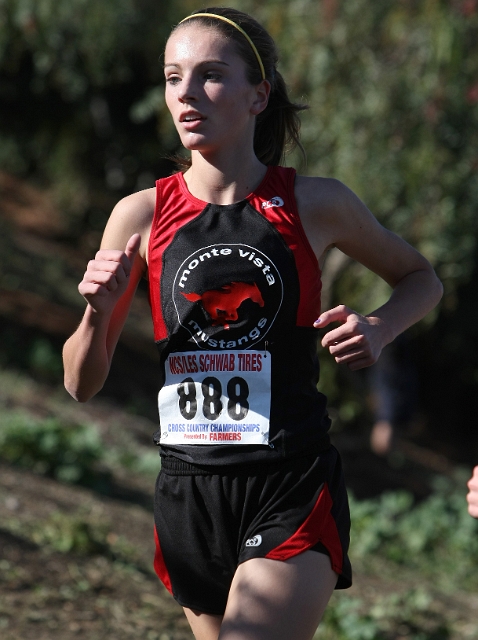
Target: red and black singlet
pixel 234 291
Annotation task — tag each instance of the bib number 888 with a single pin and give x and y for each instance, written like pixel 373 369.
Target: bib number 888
pixel 212 404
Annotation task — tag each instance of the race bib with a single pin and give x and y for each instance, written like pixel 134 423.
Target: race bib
pixel 216 398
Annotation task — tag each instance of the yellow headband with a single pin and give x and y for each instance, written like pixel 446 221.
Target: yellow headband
pixel 231 22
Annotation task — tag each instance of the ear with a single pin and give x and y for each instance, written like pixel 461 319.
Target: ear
pixel 261 98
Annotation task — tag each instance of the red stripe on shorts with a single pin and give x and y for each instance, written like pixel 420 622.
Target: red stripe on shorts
pixel 319 526
pixel 159 565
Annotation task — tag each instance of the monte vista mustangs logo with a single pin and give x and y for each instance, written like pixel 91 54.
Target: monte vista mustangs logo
pixel 227 295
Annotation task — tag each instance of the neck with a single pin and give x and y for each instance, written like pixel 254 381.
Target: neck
pixel 224 180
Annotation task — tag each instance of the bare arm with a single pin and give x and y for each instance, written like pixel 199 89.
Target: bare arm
pixel 108 286
pixel 336 217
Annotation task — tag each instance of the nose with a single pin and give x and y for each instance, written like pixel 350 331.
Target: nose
pixel 187 89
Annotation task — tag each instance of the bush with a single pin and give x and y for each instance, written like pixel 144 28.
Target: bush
pixel 73 534
pixel 406 615
pixel 66 452
pixel 434 535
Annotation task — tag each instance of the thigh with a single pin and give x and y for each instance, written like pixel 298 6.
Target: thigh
pixel 203 625
pixel 275 600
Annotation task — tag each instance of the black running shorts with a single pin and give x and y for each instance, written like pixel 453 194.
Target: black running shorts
pixel 207 523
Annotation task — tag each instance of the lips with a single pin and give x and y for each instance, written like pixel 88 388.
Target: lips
pixel 191 118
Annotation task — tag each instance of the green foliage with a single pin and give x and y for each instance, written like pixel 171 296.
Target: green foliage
pixel 394 113
pixel 432 545
pixel 82 532
pixel 392 89
pixel 407 614
pixel 435 534
pixel 45 360
pixel 393 95
pixel 146 463
pixel 79 44
pixel 68 453
pixel 70 72
pixel 38 355
pixel 72 534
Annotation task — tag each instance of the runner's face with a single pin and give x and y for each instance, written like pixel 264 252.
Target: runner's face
pixel 207 92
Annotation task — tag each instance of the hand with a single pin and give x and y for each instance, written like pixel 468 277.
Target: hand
pixel 359 340
pixel 472 496
pixel 107 276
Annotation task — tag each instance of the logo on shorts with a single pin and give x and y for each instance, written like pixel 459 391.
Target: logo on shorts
pixel 255 541
pixel 273 202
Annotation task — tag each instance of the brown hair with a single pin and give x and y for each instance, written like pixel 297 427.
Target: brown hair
pixel 277 127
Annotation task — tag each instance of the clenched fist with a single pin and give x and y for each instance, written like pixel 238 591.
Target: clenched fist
pixel 106 277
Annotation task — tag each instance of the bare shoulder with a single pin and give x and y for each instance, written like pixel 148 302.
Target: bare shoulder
pixel 135 212
pixel 132 214
pixel 333 215
pixel 314 191
pixel 322 204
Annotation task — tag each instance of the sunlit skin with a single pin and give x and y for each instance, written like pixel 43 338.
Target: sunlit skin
pixel 213 106
pixel 206 79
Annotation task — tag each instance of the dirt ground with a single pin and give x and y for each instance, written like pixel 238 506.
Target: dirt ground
pixel 48 595
pixel 75 563
pixel 112 593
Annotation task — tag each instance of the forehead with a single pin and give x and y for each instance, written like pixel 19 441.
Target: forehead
pixel 198 42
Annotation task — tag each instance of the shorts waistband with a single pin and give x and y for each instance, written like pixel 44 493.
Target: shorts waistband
pixel 176 467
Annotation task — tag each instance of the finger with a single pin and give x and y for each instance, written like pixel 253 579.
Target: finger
pixel 472 497
pixel 352 354
pixel 109 279
pixel 473 484
pixel 356 359
pixel 108 255
pixel 337 314
pixel 345 332
pixel 132 248
pixel 341 347
pixel 473 510
pixel 473 481
pixel 91 289
pixel 125 258
pixel 107 266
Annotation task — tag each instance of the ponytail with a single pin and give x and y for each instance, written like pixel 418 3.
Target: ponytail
pixel 278 126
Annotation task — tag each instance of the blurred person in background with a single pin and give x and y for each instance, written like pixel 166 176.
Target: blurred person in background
pixel 393 383
pixel 472 496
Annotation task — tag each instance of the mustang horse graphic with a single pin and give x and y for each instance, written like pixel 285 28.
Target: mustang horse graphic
pixel 222 304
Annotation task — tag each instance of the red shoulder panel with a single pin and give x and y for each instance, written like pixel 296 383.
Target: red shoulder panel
pixel 275 199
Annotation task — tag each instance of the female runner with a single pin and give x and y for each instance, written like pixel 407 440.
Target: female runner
pixel 251 515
